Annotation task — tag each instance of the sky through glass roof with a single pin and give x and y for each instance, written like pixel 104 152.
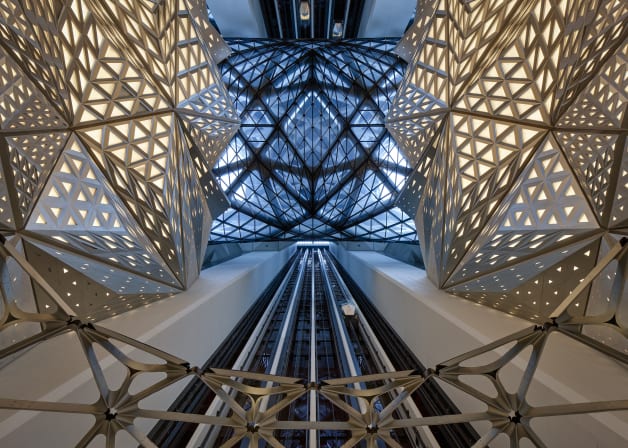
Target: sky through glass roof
pixel 312 158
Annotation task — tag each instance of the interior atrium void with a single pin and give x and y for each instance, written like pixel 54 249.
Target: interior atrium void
pixel 358 223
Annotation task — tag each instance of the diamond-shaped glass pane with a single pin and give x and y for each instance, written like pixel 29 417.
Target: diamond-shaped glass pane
pixel 312 158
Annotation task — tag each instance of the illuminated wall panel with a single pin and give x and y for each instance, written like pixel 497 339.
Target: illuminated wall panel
pixel 522 105
pixel 111 116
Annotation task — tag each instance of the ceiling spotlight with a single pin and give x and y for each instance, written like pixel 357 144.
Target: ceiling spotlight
pixel 304 10
pixel 337 31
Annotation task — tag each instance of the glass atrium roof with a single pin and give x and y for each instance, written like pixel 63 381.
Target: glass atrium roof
pixel 312 158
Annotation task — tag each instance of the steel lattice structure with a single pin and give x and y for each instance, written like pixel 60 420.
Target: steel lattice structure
pixel 111 117
pixel 515 113
pixel 312 158
pixel 148 371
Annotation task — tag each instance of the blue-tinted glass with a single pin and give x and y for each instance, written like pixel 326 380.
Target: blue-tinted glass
pixel 312 158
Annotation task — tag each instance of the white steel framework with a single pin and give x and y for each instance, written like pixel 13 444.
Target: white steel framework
pixel 149 371
pixel 515 114
pixel 112 115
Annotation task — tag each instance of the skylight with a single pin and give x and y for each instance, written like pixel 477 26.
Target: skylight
pixel 312 158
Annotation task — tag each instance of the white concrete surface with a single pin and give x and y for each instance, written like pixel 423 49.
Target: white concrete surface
pixel 438 326
pixel 190 325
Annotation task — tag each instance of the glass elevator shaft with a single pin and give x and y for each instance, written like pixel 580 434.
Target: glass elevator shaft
pixel 312 330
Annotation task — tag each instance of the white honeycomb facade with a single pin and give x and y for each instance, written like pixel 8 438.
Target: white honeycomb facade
pixel 514 114
pixel 111 117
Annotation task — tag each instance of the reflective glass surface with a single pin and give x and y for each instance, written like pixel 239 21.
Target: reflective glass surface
pixel 312 158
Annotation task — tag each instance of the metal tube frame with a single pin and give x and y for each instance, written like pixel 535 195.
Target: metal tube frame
pixel 116 410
